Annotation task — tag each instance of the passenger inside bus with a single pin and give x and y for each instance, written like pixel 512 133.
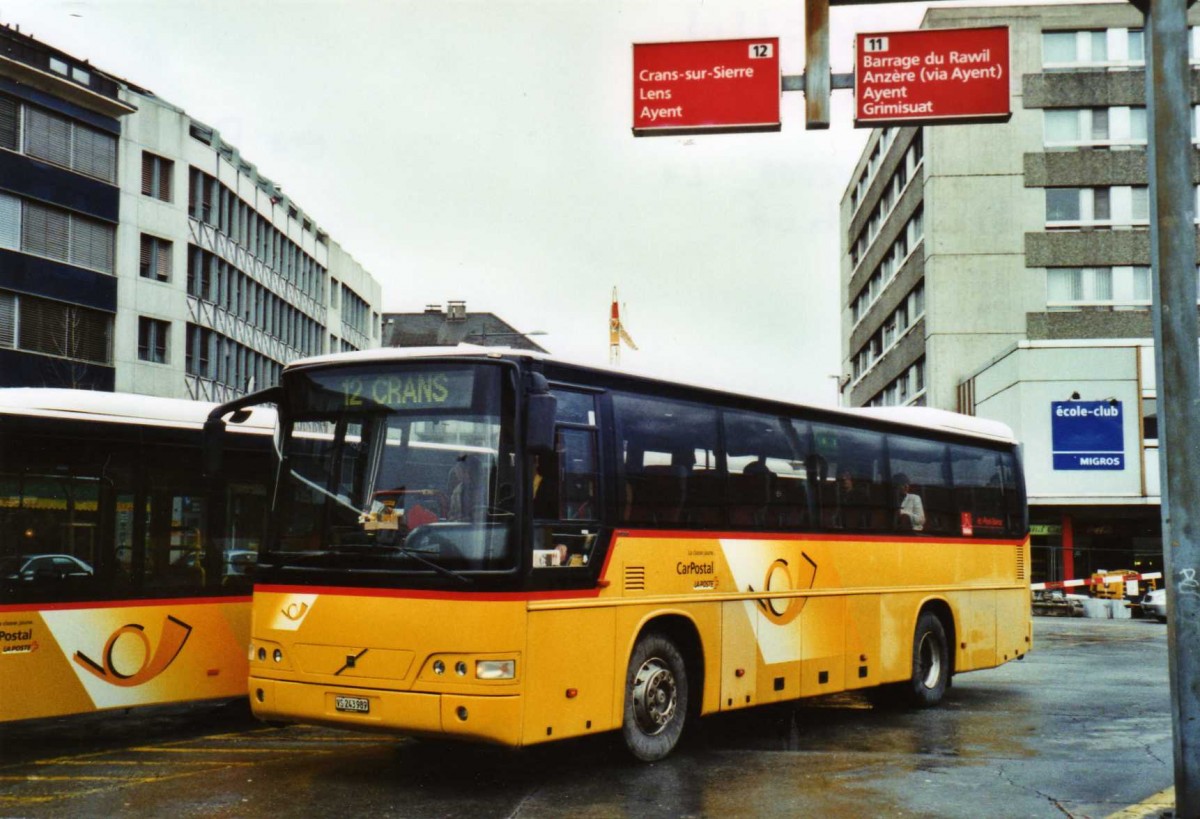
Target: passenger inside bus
pixel 853 502
pixel 912 510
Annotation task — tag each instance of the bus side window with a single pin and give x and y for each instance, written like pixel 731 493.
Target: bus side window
pixel 767 482
pixel 852 491
pixel 923 465
pixel 980 490
pixel 671 470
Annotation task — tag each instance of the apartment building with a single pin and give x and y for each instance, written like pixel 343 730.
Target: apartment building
pixel 1003 270
pixel 140 252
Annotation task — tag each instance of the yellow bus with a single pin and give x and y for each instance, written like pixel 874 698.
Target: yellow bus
pixel 502 547
pixel 123 576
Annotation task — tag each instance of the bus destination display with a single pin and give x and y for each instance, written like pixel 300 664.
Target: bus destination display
pixel 427 389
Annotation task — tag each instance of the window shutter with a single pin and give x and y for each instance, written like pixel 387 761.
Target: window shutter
pixel 164 179
pixel 147 260
pixel 95 153
pixel 42 327
pixel 44 232
pixel 8 320
pixel 10 120
pixel 164 260
pixel 92 244
pixel 10 222
pixel 147 174
pixel 48 137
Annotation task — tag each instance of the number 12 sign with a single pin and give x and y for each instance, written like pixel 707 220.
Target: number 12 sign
pixel 712 86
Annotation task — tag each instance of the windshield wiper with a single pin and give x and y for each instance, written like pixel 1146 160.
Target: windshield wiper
pixel 417 556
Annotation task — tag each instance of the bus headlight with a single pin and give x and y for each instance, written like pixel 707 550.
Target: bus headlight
pixel 495 669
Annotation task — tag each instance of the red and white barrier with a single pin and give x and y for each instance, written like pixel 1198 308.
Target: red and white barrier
pixel 1129 579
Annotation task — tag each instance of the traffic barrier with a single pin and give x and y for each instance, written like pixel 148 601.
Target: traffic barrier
pixel 1100 579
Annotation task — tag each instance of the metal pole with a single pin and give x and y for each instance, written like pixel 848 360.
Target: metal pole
pixel 1173 257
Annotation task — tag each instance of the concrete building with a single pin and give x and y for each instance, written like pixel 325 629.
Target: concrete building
pixel 437 327
pixel 1003 270
pixel 140 252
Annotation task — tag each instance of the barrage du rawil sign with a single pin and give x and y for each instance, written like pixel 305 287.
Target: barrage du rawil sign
pixel 912 77
pixel 707 86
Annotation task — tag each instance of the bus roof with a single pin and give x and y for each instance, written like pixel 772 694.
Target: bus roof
pixel 925 418
pixel 119 407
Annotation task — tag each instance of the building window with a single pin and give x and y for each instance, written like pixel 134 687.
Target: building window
pixel 10 123
pixel 56 234
pixel 58 66
pixel 152 339
pixel 1095 127
pixel 156 176
pixel 64 330
pixel 1118 205
pixel 53 138
pixel 156 258
pixel 8 320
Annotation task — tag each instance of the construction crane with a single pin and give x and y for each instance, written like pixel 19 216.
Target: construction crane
pixel 617 333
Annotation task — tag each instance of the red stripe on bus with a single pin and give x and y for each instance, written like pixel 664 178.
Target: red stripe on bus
pixel 810 537
pixel 431 594
pixel 116 604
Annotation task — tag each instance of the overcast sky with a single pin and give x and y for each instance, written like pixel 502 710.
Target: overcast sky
pixel 482 151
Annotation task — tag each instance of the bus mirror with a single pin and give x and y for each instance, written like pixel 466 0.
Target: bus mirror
pixel 539 423
pixel 213 445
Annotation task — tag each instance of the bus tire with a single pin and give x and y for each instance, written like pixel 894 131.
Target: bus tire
pixel 656 698
pixel 930 663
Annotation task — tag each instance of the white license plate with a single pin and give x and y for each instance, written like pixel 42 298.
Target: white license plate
pixel 355 705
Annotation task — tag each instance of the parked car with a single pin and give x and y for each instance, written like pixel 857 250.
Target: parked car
pixel 1154 604
pixel 42 568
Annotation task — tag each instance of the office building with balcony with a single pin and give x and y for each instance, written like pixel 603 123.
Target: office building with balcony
pixel 1003 270
pixel 140 252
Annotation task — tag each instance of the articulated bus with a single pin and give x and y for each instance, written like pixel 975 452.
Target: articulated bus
pixel 502 547
pixel 124 576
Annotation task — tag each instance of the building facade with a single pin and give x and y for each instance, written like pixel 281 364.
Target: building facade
pixel 1003 270
pixel 438 327
pixel 139 252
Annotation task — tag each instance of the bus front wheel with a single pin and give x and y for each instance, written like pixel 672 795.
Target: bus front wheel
pixel 930 662
pixel 656 698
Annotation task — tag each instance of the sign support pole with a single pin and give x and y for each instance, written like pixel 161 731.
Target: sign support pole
pixel 1177 360
pixel 816 64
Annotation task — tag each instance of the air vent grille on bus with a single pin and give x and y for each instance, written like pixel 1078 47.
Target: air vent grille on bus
pixel 635 578
pixel 1020 563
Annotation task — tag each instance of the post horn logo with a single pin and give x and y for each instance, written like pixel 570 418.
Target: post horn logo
pixel 295 611
pixel 783 610
pixel 174 634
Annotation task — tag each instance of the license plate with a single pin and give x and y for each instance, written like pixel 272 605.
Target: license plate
pixel 354 705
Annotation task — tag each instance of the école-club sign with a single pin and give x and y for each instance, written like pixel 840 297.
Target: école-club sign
pixel 1087 435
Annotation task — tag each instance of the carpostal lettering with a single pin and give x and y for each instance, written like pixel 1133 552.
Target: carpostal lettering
pixel 694 568
pixel 8 636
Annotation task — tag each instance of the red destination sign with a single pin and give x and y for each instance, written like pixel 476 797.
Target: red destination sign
pixel 910 77
pixel 717 85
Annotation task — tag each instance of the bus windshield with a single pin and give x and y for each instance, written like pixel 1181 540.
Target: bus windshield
pixel 390 470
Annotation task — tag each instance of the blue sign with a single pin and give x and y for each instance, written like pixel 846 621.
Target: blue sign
pixel 1087 435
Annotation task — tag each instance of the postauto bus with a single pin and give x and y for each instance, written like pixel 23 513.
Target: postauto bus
pixel 502 547
pixel 124 577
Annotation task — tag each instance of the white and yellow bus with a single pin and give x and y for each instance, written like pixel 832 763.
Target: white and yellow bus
pixel 498 546
pixel 123 575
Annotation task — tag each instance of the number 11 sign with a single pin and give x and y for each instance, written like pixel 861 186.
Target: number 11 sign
pixel 911 77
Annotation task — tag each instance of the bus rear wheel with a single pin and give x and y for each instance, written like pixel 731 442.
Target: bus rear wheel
pixel 930 663
pixel 656 698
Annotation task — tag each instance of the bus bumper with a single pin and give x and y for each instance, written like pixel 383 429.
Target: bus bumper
pixel 495 719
